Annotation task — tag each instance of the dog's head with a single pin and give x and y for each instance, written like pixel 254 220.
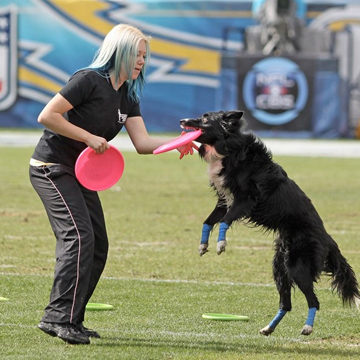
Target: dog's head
pixel 217 128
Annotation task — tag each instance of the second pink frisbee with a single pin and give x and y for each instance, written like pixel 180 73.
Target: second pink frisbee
pixel 99 171
pixel 179 141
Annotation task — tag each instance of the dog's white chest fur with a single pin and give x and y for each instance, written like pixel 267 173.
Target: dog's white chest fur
pixel 215 166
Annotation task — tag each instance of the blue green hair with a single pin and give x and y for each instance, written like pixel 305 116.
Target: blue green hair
pixel 118 49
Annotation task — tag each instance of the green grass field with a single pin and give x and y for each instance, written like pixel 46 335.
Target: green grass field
pixel 156 281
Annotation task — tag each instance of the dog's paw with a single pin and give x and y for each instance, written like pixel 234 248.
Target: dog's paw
pixel 203 249
pixel 306 330
pixel 267 330
pixel 220 247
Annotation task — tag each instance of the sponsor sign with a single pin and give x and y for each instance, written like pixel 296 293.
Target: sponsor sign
pixel 8 57
pixel 275 90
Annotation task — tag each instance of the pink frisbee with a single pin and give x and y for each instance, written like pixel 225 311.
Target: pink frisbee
pixel 99 171
pixel 179 141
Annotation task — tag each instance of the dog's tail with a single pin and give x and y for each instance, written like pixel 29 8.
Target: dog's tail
pixel 344 281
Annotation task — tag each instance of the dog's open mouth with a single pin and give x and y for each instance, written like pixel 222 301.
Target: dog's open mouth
pixel 189 128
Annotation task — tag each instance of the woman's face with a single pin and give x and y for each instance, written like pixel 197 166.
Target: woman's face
pixel 139 62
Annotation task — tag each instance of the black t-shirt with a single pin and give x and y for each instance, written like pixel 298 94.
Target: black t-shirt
pixel 97 108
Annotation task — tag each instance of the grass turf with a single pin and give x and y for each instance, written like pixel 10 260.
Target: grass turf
pixel 154 277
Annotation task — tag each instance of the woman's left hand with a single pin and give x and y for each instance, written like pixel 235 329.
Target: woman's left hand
pixel 187 149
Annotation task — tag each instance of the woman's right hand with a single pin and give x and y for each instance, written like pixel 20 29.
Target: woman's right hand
pixel 99 144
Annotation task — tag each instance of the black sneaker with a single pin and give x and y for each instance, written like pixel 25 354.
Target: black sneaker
pixel 88 332
pixel 66 332
pixel 47 328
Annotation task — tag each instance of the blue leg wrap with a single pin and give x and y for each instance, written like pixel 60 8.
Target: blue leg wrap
pixel 281 313
pixel 205 233
pixel 222 231
pixel 311 316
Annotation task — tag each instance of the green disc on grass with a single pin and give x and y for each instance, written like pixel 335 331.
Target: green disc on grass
pixel 98 307
pixel 225 317
pixel 4 299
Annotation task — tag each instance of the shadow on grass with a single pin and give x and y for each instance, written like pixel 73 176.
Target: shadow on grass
pixel 255 347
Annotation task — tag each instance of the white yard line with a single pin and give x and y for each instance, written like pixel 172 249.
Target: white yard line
pixel 169 281
pixel 175 281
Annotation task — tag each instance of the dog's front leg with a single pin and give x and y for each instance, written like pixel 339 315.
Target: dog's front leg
pixel 215 216
pixel 221 242
pixel 238 210
pixel 204 242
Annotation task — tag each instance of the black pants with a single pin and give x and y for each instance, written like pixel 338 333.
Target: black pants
pixel 77 219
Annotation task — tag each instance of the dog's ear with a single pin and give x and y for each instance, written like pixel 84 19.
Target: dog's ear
pixel 234 114
pixel 232 120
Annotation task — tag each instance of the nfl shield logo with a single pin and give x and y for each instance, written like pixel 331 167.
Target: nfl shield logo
pixel 8 57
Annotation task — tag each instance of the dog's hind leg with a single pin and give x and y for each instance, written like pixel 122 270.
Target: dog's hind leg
pixel 283 284
pixel 305 281
pixel 269 329
pixel 309 325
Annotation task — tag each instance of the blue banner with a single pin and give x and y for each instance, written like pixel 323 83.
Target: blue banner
pixel 42 42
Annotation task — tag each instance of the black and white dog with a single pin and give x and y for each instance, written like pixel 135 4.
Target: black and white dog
pixel 252 187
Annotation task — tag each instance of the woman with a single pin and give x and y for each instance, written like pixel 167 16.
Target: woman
pixel 89 110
